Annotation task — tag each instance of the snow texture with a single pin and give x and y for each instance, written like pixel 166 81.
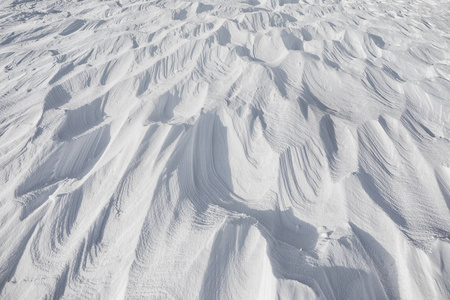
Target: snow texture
pixel 225 149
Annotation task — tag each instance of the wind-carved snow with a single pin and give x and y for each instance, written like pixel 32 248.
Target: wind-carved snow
pixel 264 149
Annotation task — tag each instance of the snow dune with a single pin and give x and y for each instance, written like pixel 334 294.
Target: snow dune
pixel 271 149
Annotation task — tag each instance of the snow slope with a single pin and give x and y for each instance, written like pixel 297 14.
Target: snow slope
pixel 271 149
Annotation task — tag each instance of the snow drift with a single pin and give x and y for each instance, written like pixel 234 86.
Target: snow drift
pixel 271 149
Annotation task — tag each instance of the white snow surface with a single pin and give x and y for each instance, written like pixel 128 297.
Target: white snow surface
pixel 259 149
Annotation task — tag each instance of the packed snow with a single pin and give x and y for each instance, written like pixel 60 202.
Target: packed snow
pixel 225 149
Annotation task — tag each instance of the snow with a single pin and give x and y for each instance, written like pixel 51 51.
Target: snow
pixel 271 149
